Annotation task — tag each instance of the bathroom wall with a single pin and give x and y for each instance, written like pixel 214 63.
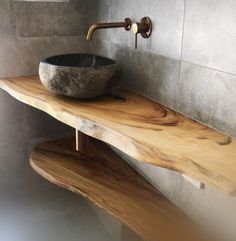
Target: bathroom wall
pixel 188 64
pixel 28 33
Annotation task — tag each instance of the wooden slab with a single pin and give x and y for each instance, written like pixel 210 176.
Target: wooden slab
pixel 141 128
pixel 106 180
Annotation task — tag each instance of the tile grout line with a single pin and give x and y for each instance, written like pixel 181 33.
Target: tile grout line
pixel 181 56
pixel 210 68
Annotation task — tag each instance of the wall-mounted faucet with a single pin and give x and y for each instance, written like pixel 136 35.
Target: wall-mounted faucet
pixel 126 25
pixel 144 27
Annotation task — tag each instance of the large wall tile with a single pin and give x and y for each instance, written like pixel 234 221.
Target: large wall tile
pixel 208 96
pixel 47 19
pixel 167 17
pixel 12 144
pixel 9 57
pixel 134 9
pixel 100 12
pixel 39 124
pixel 152 75
pixel 210 34
pixel 7 23
pixel 101 47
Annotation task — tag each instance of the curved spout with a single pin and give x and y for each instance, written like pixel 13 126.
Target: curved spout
pixel 94 27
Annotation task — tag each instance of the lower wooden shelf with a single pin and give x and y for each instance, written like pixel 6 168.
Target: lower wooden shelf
pixel 105 179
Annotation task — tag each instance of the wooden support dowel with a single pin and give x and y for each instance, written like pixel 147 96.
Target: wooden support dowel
pixel 81 141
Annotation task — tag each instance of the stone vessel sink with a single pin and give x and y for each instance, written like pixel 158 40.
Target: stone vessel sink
pixel 79 75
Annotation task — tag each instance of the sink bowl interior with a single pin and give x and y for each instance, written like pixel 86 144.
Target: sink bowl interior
pixel 79 60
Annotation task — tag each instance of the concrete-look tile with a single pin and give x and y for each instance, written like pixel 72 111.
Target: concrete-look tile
pixel 49 203
pixel 134 9
pixel 167 24
pixel 208 96
pixel 40 124
pixel 7 23
pixel 68 44
pixel 210 34
pixel 47 19
pixel 12 118
pixel 12 144
pixel 9 60
pixel 167 17
pixel 100 12
pixel 29 15
pixel 70 18
pixel 151 75
pixel 100 47
pixel 33 50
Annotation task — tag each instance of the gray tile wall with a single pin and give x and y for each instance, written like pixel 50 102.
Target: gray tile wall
pixel 189 65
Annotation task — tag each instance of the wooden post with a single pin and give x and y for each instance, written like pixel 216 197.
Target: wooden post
pixel 81 141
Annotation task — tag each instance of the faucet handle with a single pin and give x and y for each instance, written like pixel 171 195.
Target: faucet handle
pixel 144 27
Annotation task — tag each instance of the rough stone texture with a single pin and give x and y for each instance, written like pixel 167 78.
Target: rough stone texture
pixel 79 75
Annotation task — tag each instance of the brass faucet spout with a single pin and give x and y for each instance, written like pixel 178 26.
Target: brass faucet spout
pixel 94 27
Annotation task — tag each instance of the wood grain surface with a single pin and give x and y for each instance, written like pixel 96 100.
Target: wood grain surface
pixel 143 129
pixel 106 180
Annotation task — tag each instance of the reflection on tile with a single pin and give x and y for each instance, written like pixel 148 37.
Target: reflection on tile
pixel 208 96
pixel 152 75
pixel 54 18
pixel 210 34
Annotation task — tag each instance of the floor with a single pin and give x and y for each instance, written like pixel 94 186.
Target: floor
pixel 48 215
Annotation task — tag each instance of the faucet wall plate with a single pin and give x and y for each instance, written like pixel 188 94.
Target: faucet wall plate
pixel 144 27
pixel 148 22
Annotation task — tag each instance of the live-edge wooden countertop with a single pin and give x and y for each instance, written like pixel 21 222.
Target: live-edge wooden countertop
pixel 143 129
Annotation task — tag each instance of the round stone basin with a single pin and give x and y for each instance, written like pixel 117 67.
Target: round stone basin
pixel 81 76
